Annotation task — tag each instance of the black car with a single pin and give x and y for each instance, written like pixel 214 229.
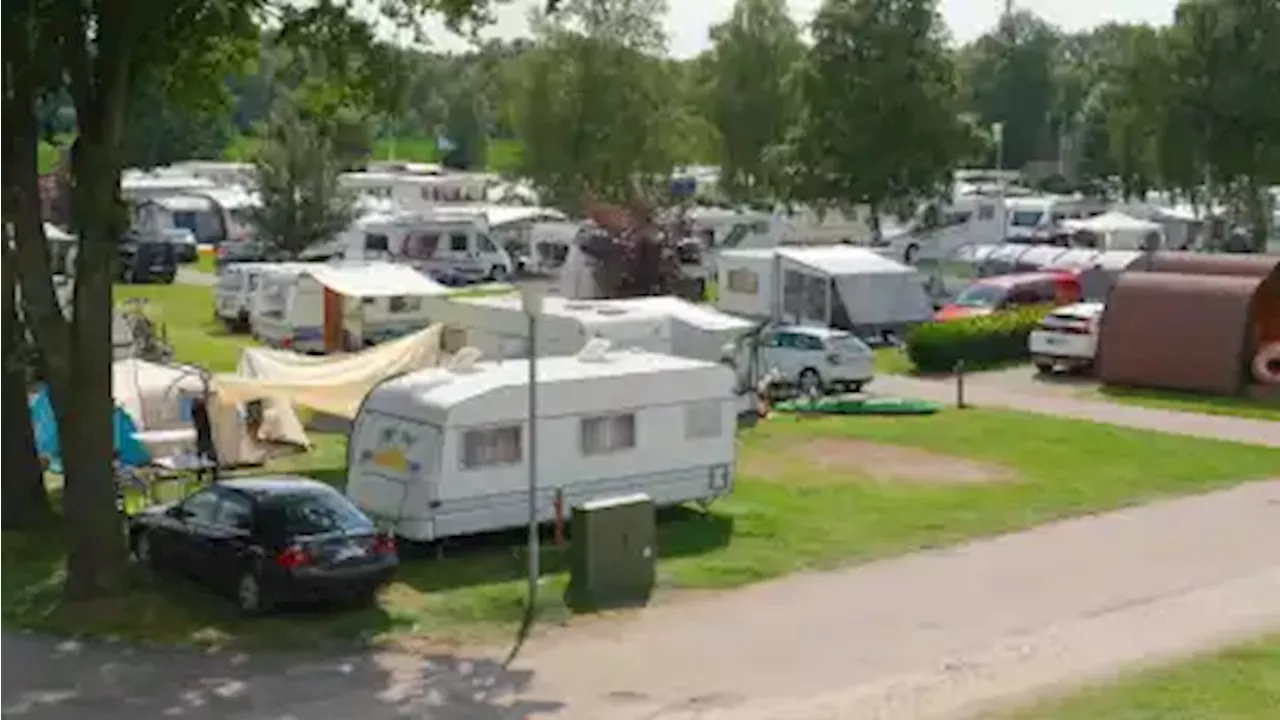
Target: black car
pixel 147 259
pixel 269 540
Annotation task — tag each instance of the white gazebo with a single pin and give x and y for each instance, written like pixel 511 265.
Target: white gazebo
pixel 1118 231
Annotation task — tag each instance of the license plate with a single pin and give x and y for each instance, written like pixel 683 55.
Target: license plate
pixel 351 552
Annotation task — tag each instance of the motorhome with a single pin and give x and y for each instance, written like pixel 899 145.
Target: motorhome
pixel 498 327
pixel 413 191
pixel 324 308
pixel 1035 216
pixel 438 243
pixel 444 452
pixel 847 288
pixel 938 229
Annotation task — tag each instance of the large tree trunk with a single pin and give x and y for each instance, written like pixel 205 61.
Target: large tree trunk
pixel 23 500
pixel 26 504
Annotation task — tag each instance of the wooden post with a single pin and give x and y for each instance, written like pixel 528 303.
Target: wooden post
pixel 959 372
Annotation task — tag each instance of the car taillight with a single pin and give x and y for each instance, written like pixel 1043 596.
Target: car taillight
pixel 286 342
pixel 385 544
pixel 293 556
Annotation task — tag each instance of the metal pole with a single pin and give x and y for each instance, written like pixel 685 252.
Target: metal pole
pixel 533 461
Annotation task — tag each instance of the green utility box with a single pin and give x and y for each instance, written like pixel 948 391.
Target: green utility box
pixel 614 551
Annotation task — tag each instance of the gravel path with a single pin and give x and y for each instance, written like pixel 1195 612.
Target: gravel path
pixel 986 394
pixel 937 634
pixel 191 276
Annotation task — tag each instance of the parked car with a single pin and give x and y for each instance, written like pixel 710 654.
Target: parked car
pixel 1067 338
pixel 146 259
pixel 816 359
pixel 268 540
pixel 185 248
pixel 1006 292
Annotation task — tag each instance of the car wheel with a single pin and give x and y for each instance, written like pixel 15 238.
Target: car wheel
pixel 142 550
pixel 810 382
pixel 1044 368
pixel 497 273
pixel 249 596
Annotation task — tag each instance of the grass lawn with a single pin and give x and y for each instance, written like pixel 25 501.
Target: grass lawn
pixel 1191 402
pixel 186 311
pixel 206 263
pixel 1242 683
pixel 788 513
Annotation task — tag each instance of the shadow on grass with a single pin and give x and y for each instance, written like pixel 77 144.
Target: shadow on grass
pixel 503 557
pixel 123 681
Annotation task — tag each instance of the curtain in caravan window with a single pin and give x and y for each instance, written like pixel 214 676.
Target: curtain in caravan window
pixel 815 299
pixel 491 446
pixel 793 295
pixel 608 433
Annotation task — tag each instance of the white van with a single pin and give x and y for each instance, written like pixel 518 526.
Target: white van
pixel 438 244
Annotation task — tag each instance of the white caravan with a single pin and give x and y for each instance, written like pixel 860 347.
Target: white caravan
pixel 213 216
pixel 442 453
pixel 443 243
pixel 236 293
pixel 414 191
pixel 136 185
pixel 324 308
pixel 837 286
pixel 499 328
pixel 221 173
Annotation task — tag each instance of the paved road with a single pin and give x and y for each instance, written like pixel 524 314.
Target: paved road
pixel 983 394
pixel 928 635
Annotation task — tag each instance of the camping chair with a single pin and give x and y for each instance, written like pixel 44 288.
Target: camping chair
pixel 127 478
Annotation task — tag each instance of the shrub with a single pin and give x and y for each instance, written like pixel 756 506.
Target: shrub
pixel 982 341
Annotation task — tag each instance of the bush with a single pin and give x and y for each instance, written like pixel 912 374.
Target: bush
pixel 982 342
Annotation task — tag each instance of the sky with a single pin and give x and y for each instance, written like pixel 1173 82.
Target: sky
pixel 688 21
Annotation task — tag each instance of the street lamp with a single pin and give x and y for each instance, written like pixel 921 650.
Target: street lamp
pixel 533 289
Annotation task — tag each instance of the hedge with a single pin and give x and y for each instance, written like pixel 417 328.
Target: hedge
pixel 982 341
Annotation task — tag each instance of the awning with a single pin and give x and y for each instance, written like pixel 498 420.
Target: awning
pixel 376 280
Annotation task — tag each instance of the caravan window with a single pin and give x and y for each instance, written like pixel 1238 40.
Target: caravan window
pixel 185 219
pixel 702 420
pixel 459 242
pixel 376 242
pixel 489 447
pixel 486 245
pixel 404 304
pixel 744 281
pixel 420 246
pixel 986 212
pixel 608 433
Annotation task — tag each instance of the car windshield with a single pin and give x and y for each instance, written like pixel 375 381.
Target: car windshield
pixel 979 296
pixel 849 343
pixel 318 513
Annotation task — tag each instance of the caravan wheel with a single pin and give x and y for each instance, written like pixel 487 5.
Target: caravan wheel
pixel 497 273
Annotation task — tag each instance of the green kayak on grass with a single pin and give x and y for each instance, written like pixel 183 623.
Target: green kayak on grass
pixel 859 406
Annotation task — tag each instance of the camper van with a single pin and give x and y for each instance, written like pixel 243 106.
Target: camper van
pixel 839 286
pixel 436 243
pixel 325 308
pixel 416 191
pixel 1034 216
pixel 937 230
pixel 444 452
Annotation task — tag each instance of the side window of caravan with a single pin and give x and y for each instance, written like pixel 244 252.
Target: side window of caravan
pixel 376 242
pixel 608 433
pixel 986 212
pixel 743 281
pixel 420 246
pixel 702 420
pixel 459 242
pixel 404 304
pixel 490 447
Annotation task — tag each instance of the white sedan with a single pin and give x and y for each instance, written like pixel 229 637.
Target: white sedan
pixel 1067 338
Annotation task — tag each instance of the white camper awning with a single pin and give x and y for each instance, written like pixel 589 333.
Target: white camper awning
pixel 376 280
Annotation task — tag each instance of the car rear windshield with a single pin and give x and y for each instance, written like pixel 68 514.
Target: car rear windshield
pixel 980 296
pixel 320 513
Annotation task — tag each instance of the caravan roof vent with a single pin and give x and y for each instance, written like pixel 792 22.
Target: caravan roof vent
pixel 464 361
pixel 596 350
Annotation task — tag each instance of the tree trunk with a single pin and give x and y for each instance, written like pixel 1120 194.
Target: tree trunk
pixel 26 503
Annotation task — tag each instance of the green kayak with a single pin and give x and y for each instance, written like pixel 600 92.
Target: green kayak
pixel 856 406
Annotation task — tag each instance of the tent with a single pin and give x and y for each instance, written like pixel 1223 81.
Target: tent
pixel 160 397
pixel 334 384
pixel 48 446
pixel 1119 231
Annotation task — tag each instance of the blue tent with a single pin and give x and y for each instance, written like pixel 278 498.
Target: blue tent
pixel 129 449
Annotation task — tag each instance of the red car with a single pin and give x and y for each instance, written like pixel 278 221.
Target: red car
pixel 1005 292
